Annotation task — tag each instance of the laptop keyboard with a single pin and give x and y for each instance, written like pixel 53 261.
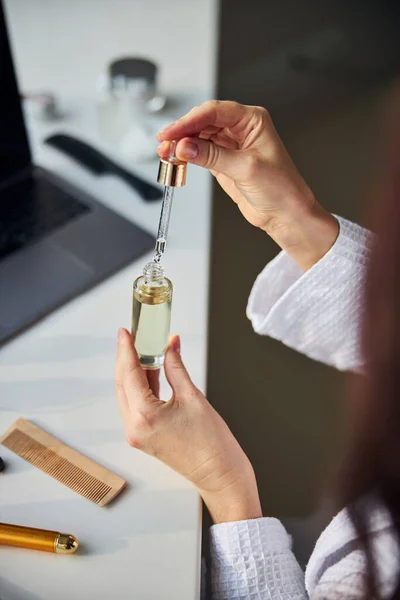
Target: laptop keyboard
pixel 32 209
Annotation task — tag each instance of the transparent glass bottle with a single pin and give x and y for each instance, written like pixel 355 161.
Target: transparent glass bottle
pixel 151 315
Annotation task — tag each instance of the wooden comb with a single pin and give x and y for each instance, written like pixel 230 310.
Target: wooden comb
pixel 74 470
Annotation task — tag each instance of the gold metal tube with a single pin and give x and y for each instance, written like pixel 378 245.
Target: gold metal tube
pixel 172 173
pixel 37 539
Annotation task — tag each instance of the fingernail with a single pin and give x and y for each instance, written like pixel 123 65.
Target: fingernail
pixel 161 132
pixel 162 146
pixel 120 334
pixel 190 150
pixel 176 344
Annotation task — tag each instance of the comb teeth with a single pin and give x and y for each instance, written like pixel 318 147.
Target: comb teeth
pixel 63 469
pixel 58 467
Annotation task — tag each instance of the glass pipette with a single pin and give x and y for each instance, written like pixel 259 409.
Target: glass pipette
pixel 166 207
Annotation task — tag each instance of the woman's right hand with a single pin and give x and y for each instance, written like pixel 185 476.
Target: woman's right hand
pixel 242 149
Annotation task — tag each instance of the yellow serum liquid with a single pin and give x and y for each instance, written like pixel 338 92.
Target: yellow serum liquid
pixel 151 317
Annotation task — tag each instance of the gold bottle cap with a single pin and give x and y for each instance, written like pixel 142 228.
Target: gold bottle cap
pixel 172 171
pixel 65 544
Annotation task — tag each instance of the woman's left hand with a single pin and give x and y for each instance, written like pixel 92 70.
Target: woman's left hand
pixel 185 433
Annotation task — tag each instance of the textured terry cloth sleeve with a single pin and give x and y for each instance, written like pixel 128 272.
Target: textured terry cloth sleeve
pixel 252 560
pixel 318 312
pixel 337 567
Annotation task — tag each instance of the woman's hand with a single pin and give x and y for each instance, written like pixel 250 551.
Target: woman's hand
pixel 185 433
pixel 241 147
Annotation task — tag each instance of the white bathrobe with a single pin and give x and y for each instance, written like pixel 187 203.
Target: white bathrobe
pixel 318 313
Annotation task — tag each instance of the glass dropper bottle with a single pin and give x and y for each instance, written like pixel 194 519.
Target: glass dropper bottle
pixel 152 292
pixel 151 315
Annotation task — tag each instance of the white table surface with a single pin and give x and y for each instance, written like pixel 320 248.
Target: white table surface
pixel 59 374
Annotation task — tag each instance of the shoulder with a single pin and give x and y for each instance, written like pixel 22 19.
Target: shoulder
pixel 337 567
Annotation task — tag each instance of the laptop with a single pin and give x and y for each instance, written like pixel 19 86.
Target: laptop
pixel 55 240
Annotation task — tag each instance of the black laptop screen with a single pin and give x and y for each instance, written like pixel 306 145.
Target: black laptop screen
pixel 14 148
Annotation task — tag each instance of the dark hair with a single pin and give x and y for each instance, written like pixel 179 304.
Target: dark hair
pixel 373 462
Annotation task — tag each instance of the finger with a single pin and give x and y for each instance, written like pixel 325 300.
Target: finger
pixel 175 372
pixel 121 396
pixel 221 139
pixel 124 411
pixel 163 149
pixel 129 372
pixel 153 377
pixel 122 403
pixel 225 140
pixel 211 156
pixel 210 114
pixel 211 130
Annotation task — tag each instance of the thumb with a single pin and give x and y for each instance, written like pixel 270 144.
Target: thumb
pixel 175 371
pixel 210 156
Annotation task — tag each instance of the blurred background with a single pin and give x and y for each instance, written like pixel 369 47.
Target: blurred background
pixel 72 51
pixel 326 71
